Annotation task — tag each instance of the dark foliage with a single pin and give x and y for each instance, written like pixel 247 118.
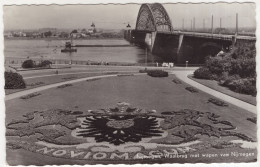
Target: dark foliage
pixel 157 73
pixel 235 69
pixel 192 89
pixel 254 119
pixel 45 63
pixel 28 64
pixel 177 81
pixel 14 81
pixel 246 85
pixel 30 95
pixel 202 73
pixel 31 64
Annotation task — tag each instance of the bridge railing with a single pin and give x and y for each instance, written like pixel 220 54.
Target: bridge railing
pixel 209 35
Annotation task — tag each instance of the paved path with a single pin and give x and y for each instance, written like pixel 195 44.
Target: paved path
pixel 183 75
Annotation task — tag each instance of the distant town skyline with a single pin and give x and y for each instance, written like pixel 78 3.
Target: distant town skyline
pixel 117 16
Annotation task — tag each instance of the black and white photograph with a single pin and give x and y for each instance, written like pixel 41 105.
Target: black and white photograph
pixel 130 83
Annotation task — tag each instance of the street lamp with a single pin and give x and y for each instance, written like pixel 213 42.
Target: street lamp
pixel 92 25
pixel 128 26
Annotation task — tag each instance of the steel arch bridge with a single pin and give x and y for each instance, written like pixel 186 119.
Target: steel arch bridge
pixel 153 17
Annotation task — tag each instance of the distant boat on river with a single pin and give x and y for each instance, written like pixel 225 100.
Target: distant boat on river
pixel 68 47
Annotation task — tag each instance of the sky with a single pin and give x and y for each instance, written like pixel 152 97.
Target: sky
pixel 113 16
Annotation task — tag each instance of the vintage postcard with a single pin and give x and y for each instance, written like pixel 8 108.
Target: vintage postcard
pixel 130 83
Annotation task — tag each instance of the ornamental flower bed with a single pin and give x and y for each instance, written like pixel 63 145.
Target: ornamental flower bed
pixel 192 89
pixel 35 84
pixel 30 96
pixel 254 119
pixel 217 102
pixel 176 81
pixel 64 86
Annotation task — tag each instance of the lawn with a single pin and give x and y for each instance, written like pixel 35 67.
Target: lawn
pixel 41 81
pixel 186 114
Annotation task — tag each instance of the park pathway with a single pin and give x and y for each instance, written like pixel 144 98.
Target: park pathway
pixel 183 75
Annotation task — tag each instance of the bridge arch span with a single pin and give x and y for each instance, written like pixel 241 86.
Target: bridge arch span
pixel 207 49
pixel 153 17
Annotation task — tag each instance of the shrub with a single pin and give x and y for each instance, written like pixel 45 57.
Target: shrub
pixel 243 67
pixel 14 81
pixel 28 64
pixel 246 86
pixel 226 81
pixel 202 73
pixel 218 65
pixel 45 63
pixel 235 70
pixel 157 73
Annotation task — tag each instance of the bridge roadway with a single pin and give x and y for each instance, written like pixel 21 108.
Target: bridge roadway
pixel 209 35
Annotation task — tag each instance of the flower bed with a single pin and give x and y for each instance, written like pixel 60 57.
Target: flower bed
pixel 64 86
pixel 217 102
pixel 192 89
pixel 30 95
pixel 254 119
pixel 35 84
pixel 177 81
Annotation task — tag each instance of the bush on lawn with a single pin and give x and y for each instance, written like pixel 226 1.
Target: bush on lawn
pixel 14 81
pixel 202 73
pixel 157 73
pixel 45 63
pixel 31 64
pixel 28 64
pixel 245 86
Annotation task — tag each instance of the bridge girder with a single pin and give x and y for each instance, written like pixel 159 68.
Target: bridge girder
pixel 153 17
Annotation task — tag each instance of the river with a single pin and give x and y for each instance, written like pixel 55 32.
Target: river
pixel 51 49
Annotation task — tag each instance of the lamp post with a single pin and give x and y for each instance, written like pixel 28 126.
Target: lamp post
pixel 145 57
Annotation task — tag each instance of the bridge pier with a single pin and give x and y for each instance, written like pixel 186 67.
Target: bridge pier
pixel 128 35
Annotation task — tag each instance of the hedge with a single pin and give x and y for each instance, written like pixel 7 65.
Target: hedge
pixel 202 73
pixel 14 81
pixel 31 64
pixel 157 73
